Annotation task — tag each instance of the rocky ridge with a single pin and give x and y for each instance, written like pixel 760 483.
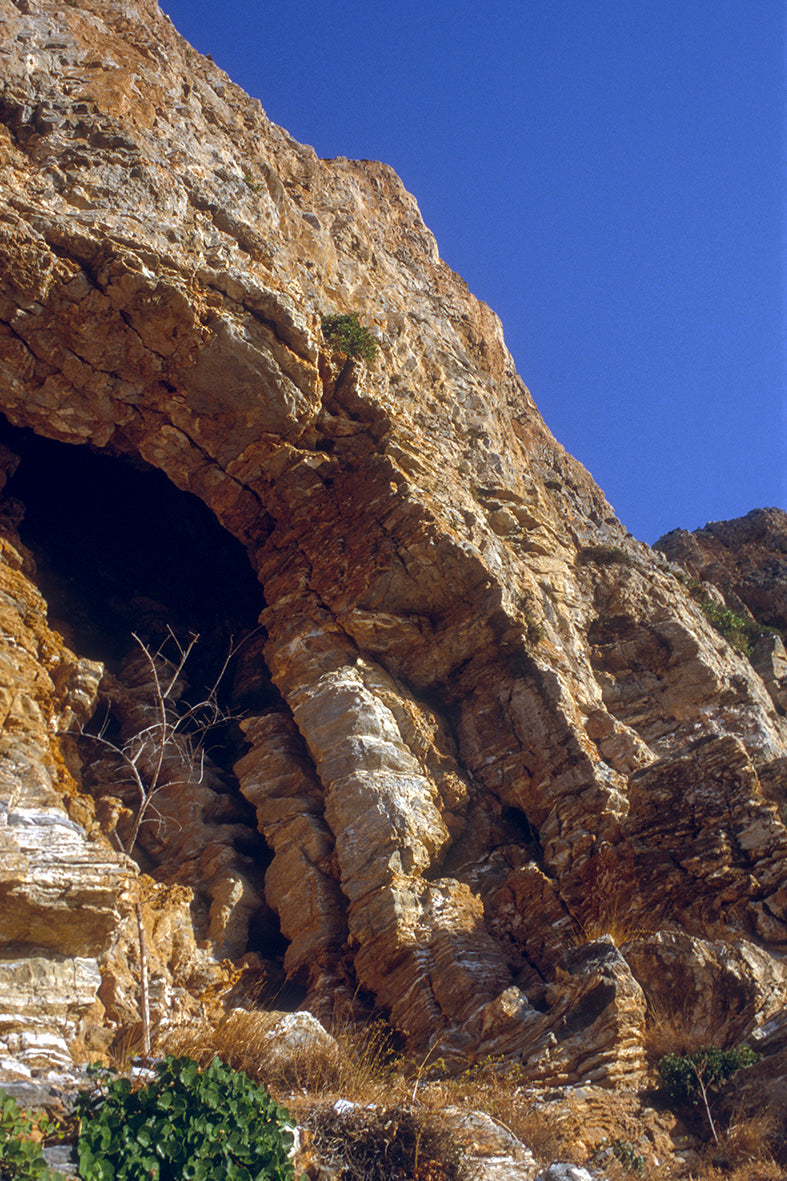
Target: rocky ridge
pixel 515 789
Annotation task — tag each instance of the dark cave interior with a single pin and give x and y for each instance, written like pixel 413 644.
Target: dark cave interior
pixel 120 549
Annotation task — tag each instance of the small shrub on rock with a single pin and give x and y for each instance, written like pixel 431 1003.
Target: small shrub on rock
pixel 737 629
pixel 186 1125
pixel 742 633
pixel 346 334
pixel 624 1152
pixel 604 555
pixel 687 1078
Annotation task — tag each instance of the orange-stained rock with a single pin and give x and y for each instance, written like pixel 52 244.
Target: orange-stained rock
pixel 277 776
pixel 498 737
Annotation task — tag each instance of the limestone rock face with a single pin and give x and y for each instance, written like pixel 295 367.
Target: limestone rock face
pixel 498 755
pixel 63 895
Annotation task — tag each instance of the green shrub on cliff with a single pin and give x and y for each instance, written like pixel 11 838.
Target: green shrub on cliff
pixel 737 630
pixel 346 334
pixel 742 633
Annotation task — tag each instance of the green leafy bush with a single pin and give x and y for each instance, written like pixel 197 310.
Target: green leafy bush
pixel 346 334
pixel 735 628
pixel 682 1075
pixel 21 1157
pixel 186 1125
pixel 686 1078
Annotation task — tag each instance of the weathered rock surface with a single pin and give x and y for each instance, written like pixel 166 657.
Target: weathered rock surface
pixel 494 742
pixel 743 564
pixel 745 558
pixel 69 950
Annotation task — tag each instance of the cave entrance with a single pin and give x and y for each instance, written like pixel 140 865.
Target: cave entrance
pixel 121 551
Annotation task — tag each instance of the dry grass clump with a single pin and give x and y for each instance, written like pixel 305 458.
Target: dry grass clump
pixel 547 1138
pixel 609 913
pixel 399 1143
pixel 751 1171
pixel 672 1028
pixel 360 1064
pixel 745 1150
pixel 495 1086
pixel 748 1140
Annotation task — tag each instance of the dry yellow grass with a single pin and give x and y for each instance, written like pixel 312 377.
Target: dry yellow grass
pixel 365 1070
pixel 744 1152
pixel 612 915
pixel 410 1098
pixel 361 1064
pixel 752 1171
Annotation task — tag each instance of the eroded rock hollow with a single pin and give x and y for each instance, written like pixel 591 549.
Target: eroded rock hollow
pixel 492 768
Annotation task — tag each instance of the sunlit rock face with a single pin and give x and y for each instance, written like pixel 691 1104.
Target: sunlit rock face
pixel 745 558
pixel 503 770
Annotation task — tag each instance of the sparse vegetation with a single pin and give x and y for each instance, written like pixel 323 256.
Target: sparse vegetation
pixel 376 1131
pixel 739 631
pixel 171 749
pixel 346 334
pixel 604 555
pixel 371 1079
pixel 386 1144
pixel 168 752
pixel 361 1063
pixel 688 1078
pixel 742 633
pixel 391 1119
pixel 624 1152
pixel 534 631
pixel 748 1140
pixel 391 1122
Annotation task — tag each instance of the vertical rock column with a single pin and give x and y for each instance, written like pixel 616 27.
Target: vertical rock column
pixel 277 777
pixel 420 946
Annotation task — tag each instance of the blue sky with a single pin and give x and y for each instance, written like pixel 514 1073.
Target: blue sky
pixel 607 174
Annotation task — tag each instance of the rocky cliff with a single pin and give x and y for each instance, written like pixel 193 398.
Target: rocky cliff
pixel 484 761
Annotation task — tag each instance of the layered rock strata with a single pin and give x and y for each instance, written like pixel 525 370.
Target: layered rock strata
pixel 509 758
